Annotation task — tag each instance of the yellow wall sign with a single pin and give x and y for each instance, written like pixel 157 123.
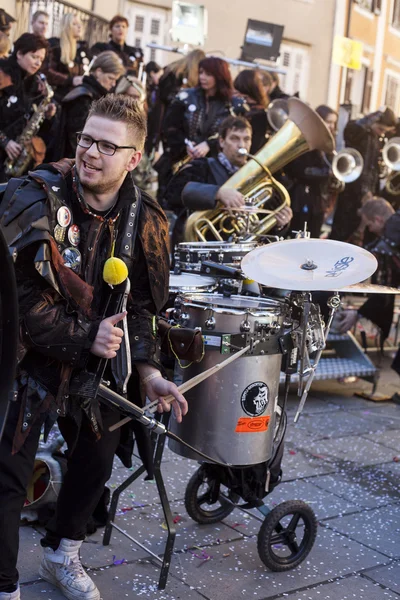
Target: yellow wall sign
pixel 347 52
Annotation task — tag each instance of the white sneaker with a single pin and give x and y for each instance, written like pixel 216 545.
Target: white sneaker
pixel 63 568
pixel 11 595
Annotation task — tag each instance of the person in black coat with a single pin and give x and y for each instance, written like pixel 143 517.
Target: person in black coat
pixel 104 74
pixel 21 89
pixel 197 185
pixel 193 119
pixel 250 87
pixel 308 182
pixel 68 58
pixel 131 56
pixel 363 135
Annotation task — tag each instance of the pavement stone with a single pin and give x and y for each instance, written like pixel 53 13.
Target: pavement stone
pixel 297 464
pixel 365 487
pixel 389 439
pixel 345 589
pixel 345 423
pixel 351 449
pixel 388 575
pixel 377 528
pixel 30 554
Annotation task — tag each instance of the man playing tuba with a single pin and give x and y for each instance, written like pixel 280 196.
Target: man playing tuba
pixel 198 185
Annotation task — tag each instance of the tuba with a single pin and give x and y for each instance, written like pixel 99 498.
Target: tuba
pixel 391 157
pixel 304 130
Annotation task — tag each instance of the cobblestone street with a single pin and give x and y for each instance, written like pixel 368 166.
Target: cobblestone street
pixel 341 458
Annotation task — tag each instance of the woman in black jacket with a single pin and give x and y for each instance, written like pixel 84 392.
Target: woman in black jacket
pixel 68 58
pixel 249 86
pixel 193 119
pixel 104 74
pixel 21 91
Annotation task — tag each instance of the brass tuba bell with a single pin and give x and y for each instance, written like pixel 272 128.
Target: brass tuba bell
pixel 391 157
pixel 347 165
pixel 304 130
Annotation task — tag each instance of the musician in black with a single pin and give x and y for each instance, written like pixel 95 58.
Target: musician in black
pixel 363 135
pixel 65 220
pixel 131 56
pixel 379 217
pixel 21 90
pixel 197 186
pixel 68 59
pixel 249 86
pixel 309 177
pixel 104 74
pixel 190 128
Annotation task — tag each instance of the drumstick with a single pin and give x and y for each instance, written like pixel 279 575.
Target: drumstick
pixel 191 383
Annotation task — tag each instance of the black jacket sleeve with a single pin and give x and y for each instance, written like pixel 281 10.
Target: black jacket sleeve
pixel 47 324
pixel 191 187
pixel 174 130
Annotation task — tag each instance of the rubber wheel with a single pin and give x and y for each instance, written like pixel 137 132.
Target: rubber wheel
pixel 287 535
pixel 198 501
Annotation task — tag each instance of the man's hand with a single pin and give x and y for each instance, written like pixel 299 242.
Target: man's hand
pixel 345 320
pixel 158 388
pixel 13 149
pixel 50 111
pixel 77 80
pixel 284 216
pixel 199 151
pixel 230 198
pixel 108 338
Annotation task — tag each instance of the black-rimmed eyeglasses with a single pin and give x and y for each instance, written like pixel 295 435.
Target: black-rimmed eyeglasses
pixel 104 147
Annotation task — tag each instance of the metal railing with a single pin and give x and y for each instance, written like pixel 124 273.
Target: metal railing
pixel 95 28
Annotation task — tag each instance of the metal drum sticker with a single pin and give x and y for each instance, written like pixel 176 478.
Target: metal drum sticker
pixel 254 398
pixel 252 425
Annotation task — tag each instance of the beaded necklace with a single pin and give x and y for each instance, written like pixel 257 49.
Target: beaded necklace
pixel 76 185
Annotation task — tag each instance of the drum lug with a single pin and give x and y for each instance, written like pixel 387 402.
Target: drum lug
pixel 184 319
pixel 210 323
pixel 245 326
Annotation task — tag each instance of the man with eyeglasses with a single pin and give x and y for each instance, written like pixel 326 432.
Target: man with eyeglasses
pixel 65 220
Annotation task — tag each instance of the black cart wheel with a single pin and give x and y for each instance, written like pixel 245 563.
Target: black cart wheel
pixel 287 535
pixel 200 501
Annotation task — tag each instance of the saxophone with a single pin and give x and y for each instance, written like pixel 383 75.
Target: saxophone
pixel 15 167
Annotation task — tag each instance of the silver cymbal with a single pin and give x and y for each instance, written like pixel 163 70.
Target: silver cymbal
pixel 369 288
pixel 309 265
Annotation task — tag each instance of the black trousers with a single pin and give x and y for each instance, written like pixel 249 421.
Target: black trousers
pixel 89 468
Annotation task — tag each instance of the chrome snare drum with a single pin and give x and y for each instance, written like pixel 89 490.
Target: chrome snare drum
pixel 190 255
pixel 190 283
pixel 231 414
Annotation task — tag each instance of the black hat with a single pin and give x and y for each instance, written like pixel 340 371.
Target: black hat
pixel 5 20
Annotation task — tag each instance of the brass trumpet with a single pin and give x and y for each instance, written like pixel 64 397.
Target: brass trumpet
pixel 304 130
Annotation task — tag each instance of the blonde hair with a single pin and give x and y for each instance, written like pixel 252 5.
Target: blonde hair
pixel 129 81
pixel 188 67
pixel 67 41
pixel 122 108
pixel 5 45
pixel 108 62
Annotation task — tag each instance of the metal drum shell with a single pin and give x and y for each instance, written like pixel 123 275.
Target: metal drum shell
pixel 190 255
pixel 216 406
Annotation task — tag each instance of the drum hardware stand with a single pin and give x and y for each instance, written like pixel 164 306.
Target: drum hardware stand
pixel 333 304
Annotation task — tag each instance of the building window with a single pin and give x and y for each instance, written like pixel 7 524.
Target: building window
pixel 153 52
pixel 139 23
pixel 392 93
pixel 366 4
pixel 396 14
pixel 155 27
pixel 295 61
pixel 138 42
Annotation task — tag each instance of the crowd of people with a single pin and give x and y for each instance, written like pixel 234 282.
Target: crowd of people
pixel 88 137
